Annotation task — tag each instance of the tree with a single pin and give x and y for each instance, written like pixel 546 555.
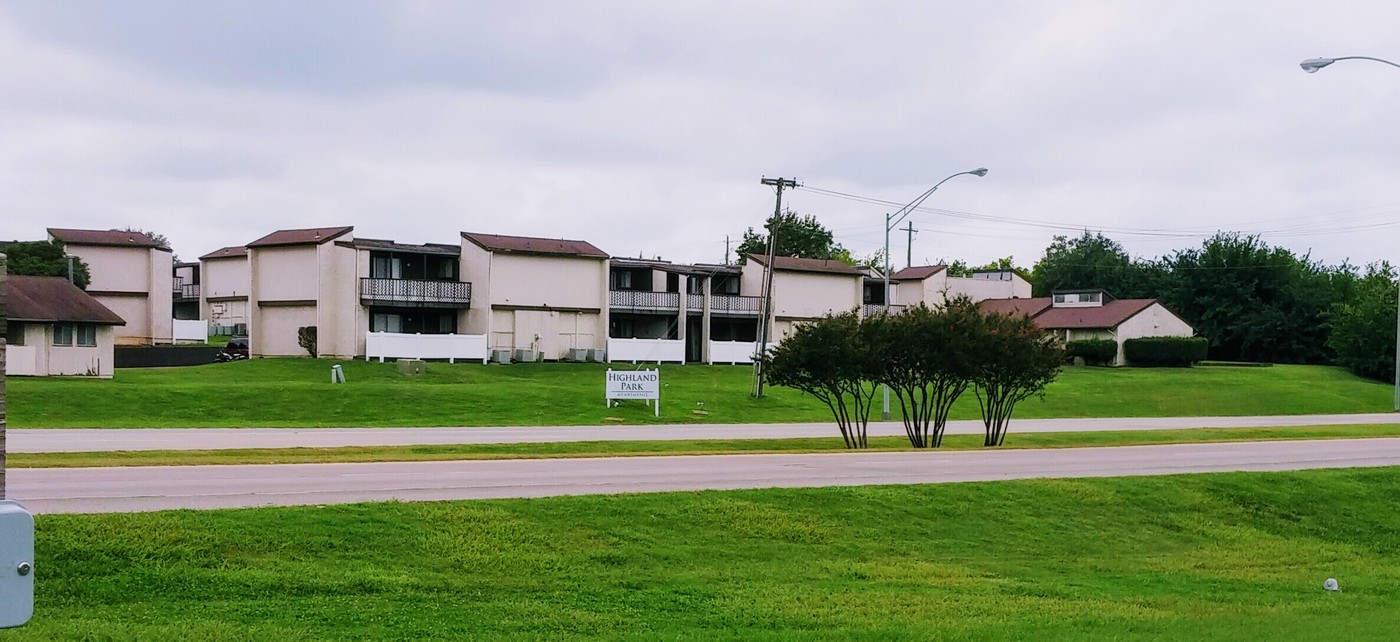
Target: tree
pixel 923 355
pixel 1086 261
pixel 1363 329
pixel 800 236
pixel 1004 264
pixel 44 258
pixel 306 338
pixel 1015 360
pixel 155 236
pixel 829 359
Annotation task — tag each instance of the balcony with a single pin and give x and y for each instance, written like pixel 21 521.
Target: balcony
pixel 415 293
pixel 876 308
pixel 644 301
pixel 183 292
pixel 735 305
pixel 694 302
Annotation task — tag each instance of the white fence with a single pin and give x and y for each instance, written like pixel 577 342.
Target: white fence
pixel 197 331
pixel 732 352
pixel 20 361
pixel 639 350
pixel 393 345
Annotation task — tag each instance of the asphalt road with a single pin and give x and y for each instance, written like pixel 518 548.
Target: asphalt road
pixel 87 490
pixel 107 439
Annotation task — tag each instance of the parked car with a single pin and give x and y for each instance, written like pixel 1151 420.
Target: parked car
pixel 235 350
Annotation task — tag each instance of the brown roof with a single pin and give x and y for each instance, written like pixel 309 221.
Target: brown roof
pixel 794 264
pixel 231 252
pixel 426 248
pixel 1109 315
pixel 115 238
pixel 917 272
pixel 532 245
pixel 50 299
pixel 1030 307
pixel 308 236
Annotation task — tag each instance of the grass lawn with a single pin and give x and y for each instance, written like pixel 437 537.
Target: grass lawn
pixel 679 447
pixel 1239 556
pixel 297 393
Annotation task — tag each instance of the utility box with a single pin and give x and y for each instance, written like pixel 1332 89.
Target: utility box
pixel 411 367
pixel 16 564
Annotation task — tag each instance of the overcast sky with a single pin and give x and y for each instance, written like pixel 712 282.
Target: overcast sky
pixel 644 127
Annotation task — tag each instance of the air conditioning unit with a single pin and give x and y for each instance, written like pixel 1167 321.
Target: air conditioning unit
pixel 597 355
pixel 500 356
pixel 578 354
pixel 524 355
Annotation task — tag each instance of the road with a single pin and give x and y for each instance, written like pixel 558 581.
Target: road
pixel 86 490
pixel 107 439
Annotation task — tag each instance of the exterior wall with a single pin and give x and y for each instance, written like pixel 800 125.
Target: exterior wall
pixel 805 295
pixel 1155 321
pixel 545 281
pixel 285 273
pixel 338 302
pixel 983 289
pixel 475 267
pixel 221 278
pixel 276 334
pixel 117 269
pixel 140 279
pixel 544 303
pixel 162 296
pixel 52 360
pixel 551 332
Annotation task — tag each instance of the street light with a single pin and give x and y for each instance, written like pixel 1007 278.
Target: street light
pixel 1311 65
pixel 892 220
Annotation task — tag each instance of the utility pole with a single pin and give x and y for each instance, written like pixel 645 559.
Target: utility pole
pixel 909 250
pixel 767 306
pixel 726 249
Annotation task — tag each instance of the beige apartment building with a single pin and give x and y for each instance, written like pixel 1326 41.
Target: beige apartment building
pixel 224 289
pixel 131 276
pixel 932 286
pixel 806 289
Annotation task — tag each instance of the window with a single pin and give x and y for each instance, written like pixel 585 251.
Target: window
pixel 385 323
pixel 14 334
pixel 621 280
pixel 62 335
pixel 87 335
pixel 386 267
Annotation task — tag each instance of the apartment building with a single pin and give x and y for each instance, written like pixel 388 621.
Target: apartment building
pixel 131 276
pixel 932 285
pixel 300 278
pixel 805 289
pixel 224 290
pixel 186 304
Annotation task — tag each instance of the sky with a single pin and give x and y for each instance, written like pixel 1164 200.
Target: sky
pixel 645 127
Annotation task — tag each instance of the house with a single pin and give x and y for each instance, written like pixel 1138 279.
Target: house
pixel 55 328
pixel 933 286
pixel 225 289
pixel 537 297
pixel 300 278
pixel 1093 314
pixel 805 289
pixel 131 275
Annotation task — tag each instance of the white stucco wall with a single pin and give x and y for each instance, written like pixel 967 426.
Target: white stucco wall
pixel 476 269
pixel 116 269
pixel 338 302
pixel 1154 321
pixel 552 332
pixel 285 273
pixel 52 360
pixel 222 278
pixel 544 281
pixel 136 311
pixel 808 295
pixel 983 289
pixel 162 296
pixel 276 333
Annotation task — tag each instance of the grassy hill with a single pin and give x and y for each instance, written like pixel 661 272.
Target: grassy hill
pixel 297 393
pixel 1238 556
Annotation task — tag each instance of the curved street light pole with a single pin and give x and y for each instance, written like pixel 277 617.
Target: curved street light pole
pixel 1311 65
pixel 894 219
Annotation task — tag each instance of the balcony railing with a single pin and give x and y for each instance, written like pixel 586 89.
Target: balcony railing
pixel 694 302
pixel 414 292
pixel 733 304
pixel 645 300
pixel 876 308
pixel 183 292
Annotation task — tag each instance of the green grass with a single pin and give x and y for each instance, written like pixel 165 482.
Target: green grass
pixel 297 393
pixel 678 447
pixel 1238 556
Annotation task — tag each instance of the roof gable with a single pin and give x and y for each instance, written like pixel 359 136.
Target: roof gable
pixel 534 245
pixel 917 272
pixel 52 299
pixel 796 264
pixel 305 236
pixel 1107 316
pixel 231 252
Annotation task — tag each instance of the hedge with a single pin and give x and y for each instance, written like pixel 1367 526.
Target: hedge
pixel 1093 351
pixel 1165 351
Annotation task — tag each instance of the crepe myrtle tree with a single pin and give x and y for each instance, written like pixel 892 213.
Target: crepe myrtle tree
pixel 923 355
pixel 829 359
pixel 1015 360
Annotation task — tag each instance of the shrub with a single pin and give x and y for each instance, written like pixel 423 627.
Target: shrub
pixel 306 338
pixel 1095 352
pixel 1176 352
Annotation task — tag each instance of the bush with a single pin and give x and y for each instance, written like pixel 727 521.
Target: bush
pixel 1172 352
pixel 306 338
pixel 1095 352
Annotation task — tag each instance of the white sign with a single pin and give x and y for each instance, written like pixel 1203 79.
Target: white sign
pixel 634 384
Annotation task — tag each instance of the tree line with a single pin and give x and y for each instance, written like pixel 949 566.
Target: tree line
pixel 928 357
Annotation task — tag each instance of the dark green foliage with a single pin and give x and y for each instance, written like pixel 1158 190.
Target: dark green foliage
pixel 1171 352
pixel 830 359
pixel 1014 360
pixel 44 258
pixel 306 338
pixel 1364 328
pixel 1089 261
pixel 924 356
pixel 798 235
pixel 1095 352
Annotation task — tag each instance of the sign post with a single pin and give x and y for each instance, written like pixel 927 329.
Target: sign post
pixel 634 384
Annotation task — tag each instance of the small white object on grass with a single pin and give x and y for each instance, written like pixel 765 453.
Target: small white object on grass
pixel 1331 584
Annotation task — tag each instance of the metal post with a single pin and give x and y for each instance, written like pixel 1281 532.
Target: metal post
pixel 1397 350
pixel 885 406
